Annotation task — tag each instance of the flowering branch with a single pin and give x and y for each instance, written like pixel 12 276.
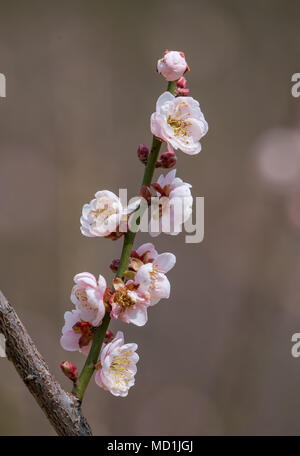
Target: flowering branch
pixel 89 367
pixel 61 408
pixel 140 280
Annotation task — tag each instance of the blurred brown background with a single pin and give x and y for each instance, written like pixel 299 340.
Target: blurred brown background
pixel 81 85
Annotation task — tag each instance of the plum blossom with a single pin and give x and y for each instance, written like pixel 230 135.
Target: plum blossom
pixel 175 205
pixel 173 65
pixel 180 122
pixel 103 215
pixel 87 296
pixel 147 252
pixel 77 335
pixel 151 275
pixel 128 303
pixel 117 366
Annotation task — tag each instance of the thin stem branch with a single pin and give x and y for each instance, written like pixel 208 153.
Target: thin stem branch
pixel 89 367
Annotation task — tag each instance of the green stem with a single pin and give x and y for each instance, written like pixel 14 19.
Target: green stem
pixel 171 86
pixel 93 356
pixel 89 366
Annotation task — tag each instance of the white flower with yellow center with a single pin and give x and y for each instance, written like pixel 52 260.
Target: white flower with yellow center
pixel 87 296
pixel 128 303
pixel 103 215
pixel 152 276
pixel 180 122
pixel 173 206
pixel 117 366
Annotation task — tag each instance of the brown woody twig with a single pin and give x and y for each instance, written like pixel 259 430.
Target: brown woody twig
pixel 61 408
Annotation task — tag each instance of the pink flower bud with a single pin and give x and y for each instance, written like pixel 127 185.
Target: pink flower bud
pixel 115 264
pixel 143 153
pixel 181 83
pixel 173 65
pixel 145 192
pixel 69 370
pixel 168 160
pixel 182 92
pixel 108 337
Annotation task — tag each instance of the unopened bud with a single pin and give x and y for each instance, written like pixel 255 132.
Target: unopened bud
pixel 145 192
pixel 168 160
pixel 182 92
pixel 108 337
pixel 69 370
pixel 181 83
pixel 115 264
pixel 143 153
pixel 173 65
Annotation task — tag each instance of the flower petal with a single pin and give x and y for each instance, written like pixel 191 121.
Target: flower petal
pixel 165 262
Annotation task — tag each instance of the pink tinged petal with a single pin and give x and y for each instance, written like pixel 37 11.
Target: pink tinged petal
pixel 137 315
pixel 129 347
pixel 85 279
pixel 93 296
pixel 161 180
pixel 109 225
pixel 177 182
pixel 98 379
pixel 103 380
pixel 137 298
pixel 102 284
pixel 197 128
pixel 107 194
pixel 148 247
pixel 133 205
pixel 115 312
pixel 191 150
pixel 165 262
pixel 85 210
pixel 164 98
pixel 108 349
pixel 170 177
pixel 85 224
pixel 154 232
pixel 183 192
pixel 70 319
pixel 161 289
pixel 86 233
pixel 70 341
pixel 170 148
pixel 155 125
pixel 104 352
pixel 100 315
pixel 143 278
pixel 116 342
pixel 73 298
